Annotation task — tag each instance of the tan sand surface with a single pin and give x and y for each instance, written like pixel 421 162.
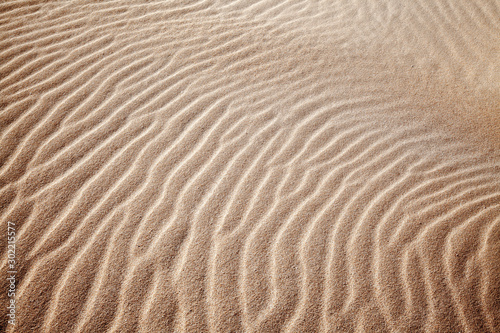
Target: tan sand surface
pixel 251 165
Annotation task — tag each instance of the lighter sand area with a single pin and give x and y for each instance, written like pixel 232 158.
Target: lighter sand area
pixel 251 166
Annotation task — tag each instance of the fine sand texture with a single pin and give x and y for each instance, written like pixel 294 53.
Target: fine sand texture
pixel 250 165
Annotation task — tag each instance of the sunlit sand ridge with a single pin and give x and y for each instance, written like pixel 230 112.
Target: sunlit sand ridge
pixel 251 166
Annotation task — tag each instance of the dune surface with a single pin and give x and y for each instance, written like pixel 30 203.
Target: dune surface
pixel 250 165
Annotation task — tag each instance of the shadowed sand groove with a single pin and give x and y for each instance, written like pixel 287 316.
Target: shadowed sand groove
pixel 251 166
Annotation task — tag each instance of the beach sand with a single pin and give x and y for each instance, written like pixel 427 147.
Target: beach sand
pixel 250 166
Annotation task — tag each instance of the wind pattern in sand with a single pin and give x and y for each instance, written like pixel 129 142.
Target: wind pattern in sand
pixel 251 166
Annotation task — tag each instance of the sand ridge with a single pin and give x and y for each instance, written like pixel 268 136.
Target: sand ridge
pixel 251 166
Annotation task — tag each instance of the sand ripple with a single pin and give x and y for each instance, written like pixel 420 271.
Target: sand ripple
pixel 251 166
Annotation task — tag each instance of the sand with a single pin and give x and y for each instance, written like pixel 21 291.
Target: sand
pixel 250 166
